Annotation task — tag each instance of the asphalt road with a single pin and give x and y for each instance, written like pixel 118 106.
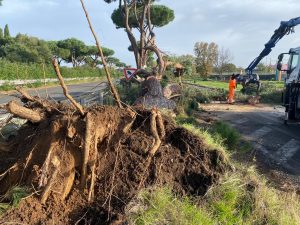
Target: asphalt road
pixel 277 143
pixel 78 91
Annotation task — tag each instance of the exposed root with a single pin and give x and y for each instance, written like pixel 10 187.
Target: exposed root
pixel 155 122
pixel 43 103
pixel 153 126
pixel 92 186
pixel 160 125
pixel 7 171
pixel 24 113
pixel 87 145
pixel 56 163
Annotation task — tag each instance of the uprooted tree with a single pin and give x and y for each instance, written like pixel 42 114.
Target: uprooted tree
pixel 144 16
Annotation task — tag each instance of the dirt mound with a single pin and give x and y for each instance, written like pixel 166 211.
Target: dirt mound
pixel 86 169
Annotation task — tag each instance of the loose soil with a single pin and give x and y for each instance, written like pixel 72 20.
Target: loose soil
pixel 50 155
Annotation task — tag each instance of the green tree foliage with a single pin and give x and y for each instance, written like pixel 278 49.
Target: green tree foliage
pixel 6 32
pixel 230 68
pixel 27 49
pixel 77 50
pixel 160 16
pixel 93 56
pixel 1 33
pixel 262 68
pixel 114 62
pixel 206 57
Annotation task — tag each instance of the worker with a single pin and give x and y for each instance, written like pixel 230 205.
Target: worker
pixel 232 87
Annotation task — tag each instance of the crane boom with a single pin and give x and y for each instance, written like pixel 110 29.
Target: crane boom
pixel 285 28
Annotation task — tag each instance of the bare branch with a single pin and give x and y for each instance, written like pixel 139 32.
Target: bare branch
pixel 65 88
pixel 112 87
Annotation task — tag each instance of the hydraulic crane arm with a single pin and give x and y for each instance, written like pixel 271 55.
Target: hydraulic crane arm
pixel 286 27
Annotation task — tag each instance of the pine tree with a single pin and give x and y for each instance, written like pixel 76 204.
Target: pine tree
pixel 1 33
pixel 6 32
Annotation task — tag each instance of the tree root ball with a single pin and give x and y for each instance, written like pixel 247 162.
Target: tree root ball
pixel 90 167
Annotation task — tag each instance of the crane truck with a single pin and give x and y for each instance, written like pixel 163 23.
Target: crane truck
pixel 291 94
pixel 285 28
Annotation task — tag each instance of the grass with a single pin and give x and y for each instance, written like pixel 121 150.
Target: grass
pixel 241 198
pixel 12 198
pixel 161 206
pixel 229 135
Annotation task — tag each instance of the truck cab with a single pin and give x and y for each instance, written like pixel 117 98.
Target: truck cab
pixel 291 94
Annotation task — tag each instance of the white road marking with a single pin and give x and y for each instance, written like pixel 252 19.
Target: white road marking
pixel 241 121
pixel 288 150
pixel 260 133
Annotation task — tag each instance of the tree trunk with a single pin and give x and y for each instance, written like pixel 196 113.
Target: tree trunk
pixel 152 95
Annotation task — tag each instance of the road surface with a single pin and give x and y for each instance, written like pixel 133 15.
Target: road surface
pixel 263 125
pixel 78 91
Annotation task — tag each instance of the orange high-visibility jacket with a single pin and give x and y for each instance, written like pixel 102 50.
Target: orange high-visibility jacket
pixel 232 84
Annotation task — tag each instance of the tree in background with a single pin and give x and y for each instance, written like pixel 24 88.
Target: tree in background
pixel 25 49
pixel 77 50
pixel 61 54
pixel 114 62
pixel 206 57
pixel 263 68
pixel 187 61
pixel 223 61
pixel 1 33
pixel 143 16
pixel 93 55
pixel 230 68
pixel 6 32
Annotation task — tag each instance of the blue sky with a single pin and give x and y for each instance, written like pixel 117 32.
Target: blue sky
pixel 243 26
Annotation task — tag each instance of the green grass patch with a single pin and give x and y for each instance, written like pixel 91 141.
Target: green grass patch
pixel 242 198
pixel 12 198
pixel 229 135
pixel 161 206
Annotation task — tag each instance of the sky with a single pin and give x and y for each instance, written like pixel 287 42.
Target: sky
pixel 242 26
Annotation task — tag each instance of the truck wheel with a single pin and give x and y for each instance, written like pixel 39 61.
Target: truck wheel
pixel 292 114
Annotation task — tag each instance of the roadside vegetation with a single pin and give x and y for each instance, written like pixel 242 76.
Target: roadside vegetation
pixel 23 71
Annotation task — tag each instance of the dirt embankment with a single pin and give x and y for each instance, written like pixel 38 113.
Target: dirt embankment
pixel 85 169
